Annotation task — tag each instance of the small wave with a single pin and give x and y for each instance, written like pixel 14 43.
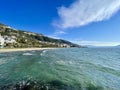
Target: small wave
pixel 43 52
pixel 70 62
pixel 65 62
pixel 61 62
pixel 28 54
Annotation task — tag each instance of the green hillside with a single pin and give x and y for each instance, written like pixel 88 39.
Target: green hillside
pixel 13 38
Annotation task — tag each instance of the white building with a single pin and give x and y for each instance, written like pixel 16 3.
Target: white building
pixel 2 41
pixel 6 39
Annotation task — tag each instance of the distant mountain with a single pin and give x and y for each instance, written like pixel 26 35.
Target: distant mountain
pixel 118 46
pixel 13 38
pixel 90 46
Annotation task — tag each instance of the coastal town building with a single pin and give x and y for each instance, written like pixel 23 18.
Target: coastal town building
pixel 2 41
pixel 6 39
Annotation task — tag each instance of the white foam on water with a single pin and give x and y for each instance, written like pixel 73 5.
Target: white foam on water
pixel 43 52
pixel 27 54
pixel 40 62
pixel 65 62
pixel 61 62
pixel 70 62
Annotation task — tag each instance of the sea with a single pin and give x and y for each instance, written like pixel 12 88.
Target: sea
pixel 61 69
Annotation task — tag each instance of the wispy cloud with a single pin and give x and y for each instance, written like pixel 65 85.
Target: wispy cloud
pixel 97 43
pixel 83 12
pixel 58 32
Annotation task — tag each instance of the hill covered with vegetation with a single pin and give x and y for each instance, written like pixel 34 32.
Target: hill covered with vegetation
pixel 12 38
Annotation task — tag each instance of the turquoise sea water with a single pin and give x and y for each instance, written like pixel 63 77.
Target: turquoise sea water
pixel 61 69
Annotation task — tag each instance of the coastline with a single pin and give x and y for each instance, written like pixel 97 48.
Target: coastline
pixel 4 50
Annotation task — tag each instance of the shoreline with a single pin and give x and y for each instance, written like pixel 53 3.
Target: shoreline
pixel 4 50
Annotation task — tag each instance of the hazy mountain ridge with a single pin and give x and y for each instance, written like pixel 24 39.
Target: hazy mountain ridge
pixel 18 38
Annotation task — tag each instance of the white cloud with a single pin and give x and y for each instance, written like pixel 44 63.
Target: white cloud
pixel 83 12
pixel 58 32
pixel 96 43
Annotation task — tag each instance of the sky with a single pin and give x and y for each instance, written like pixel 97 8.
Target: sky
pixel 85 22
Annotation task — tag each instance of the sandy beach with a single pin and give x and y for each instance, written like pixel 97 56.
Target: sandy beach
pixel 21 49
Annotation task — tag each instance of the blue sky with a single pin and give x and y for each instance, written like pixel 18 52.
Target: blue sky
pixel 86 22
